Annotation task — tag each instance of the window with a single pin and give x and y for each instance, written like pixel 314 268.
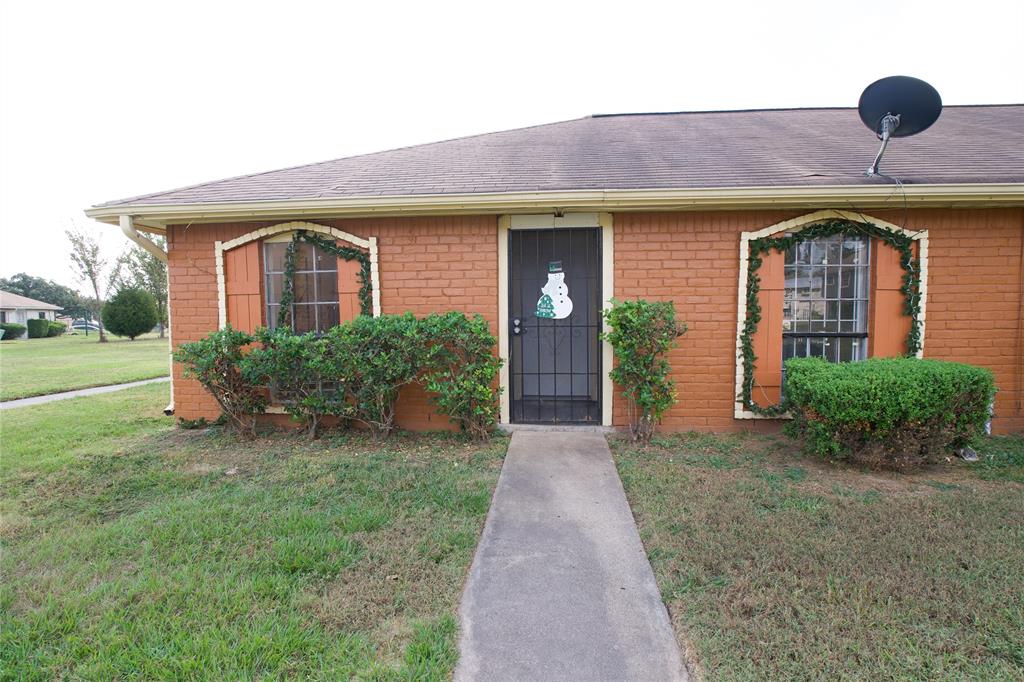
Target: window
pixel 42 316
pixel 3 317
pixel 825 310
pixel 314 289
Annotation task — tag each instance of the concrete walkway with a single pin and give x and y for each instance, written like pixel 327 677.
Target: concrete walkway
pixel 40 399
pixel 560 588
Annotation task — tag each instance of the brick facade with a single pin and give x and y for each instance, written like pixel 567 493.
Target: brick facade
pixel 973 312
pixel 426 265
pixel 431 264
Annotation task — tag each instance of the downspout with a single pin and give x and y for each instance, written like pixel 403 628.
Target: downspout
pixel 128 227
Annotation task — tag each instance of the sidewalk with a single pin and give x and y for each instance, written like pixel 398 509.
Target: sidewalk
pixel 560 588
pixel 40 399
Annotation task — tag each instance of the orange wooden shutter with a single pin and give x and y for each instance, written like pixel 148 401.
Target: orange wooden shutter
pixel 767 340
pixel 348 289
pixel 242 287
pixel 889 326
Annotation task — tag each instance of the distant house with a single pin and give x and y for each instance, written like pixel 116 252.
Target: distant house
pixel 538 228
pixel 19 309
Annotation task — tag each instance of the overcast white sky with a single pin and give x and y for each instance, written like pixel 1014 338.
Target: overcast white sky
pixel 103 100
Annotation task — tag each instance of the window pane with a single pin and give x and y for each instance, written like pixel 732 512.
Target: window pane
pixel 273 256
pixel 305 319
pixel 326 261
pixel 834 248
pixel 832 283
pixel 328 314
pixel 788 348
pixel 303 288
pixel 854 251
pixel 272 313
pixel 817 316
pixel 848 283
pixel 819 251
pixel 274 283
pixel 304 257
pixel 327 287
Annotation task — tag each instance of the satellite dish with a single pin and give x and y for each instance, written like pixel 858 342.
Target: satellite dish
pixel 898 106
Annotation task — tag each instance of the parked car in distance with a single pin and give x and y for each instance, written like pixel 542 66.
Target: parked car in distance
pixel 84 326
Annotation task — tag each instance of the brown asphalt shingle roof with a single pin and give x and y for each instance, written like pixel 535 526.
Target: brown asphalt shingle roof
pixel 783 147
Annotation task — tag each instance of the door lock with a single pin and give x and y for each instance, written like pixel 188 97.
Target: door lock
pixel 517 327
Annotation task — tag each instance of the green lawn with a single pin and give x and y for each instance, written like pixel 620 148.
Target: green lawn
pixel 133 550
pixel 31 367
pixel 776 566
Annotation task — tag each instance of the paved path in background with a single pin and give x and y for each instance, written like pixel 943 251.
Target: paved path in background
pixel 560 588
pixel 40 399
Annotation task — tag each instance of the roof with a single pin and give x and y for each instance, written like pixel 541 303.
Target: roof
pixel 15 301
pixel 713 149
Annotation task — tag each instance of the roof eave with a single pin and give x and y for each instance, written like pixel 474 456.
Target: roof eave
pixel 155 217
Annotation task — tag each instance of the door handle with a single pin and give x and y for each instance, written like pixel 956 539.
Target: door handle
pixel 517 327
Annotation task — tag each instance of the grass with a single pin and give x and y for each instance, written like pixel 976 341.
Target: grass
pixel 777 566
pixel 30 367
pixel 133 550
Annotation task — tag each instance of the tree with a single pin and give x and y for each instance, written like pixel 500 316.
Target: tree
pixel 142 270
pixel 130 312
pixel 85 254
pixel 71 302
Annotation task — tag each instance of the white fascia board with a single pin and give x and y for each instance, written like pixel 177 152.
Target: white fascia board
pixel 156 216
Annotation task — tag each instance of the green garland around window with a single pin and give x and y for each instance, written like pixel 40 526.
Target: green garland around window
pixel 911 289
pixel 284 313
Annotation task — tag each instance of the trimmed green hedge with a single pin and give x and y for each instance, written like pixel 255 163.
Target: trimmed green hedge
pixel 38 329
pixel 56 329
pixel 896 412
pixel 12 330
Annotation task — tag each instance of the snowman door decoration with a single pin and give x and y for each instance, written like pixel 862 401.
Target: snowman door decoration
pixel 554 303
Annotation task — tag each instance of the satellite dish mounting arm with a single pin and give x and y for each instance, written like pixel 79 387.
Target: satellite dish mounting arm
pixel 888 125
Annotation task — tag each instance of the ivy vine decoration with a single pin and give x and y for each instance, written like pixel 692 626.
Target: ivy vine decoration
pixel 910 287
pixel 348 253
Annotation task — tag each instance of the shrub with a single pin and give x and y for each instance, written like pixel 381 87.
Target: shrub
pixel 299 373
pixel 130 312
pixel 895 412
pixel 461 369
pixel 215 362
pixel 374 357
pixel 12 330
pixel 56 329
pixel 641 333
pixel 37 329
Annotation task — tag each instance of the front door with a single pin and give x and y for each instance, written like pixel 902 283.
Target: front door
pixel 555 317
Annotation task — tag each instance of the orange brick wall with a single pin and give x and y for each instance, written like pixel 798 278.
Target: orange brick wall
pixel 426 265
pixel 973 312
pixel 974 296
pixel 691 258
pixel 436 264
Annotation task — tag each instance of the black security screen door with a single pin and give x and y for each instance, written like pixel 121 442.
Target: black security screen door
pixel 555 316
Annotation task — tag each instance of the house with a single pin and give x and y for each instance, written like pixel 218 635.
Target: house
pixel 18 309
pixel 662 206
